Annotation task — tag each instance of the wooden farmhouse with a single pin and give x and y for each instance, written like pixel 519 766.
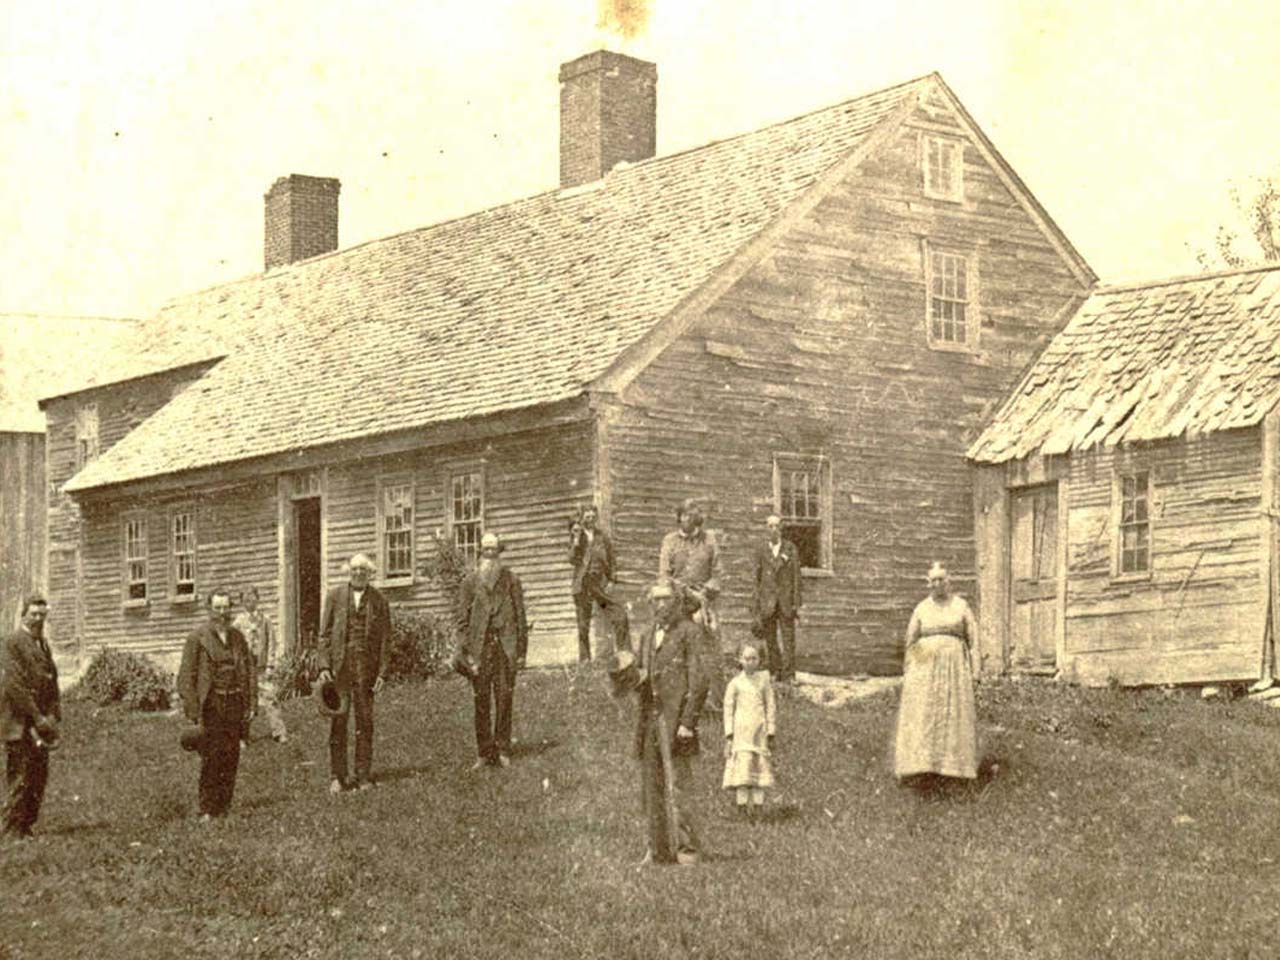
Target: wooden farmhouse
pixel 1126 494
pixel 812 319
pixel 38 354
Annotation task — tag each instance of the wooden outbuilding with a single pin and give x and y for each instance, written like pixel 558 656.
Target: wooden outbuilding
pixel 812 319
pixel 1126 498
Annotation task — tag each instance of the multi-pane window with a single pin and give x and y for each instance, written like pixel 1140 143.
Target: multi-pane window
pixel 948 298
pixel 184 554
pixel 1135 524
pixel 466 514
pixel 943 168
pixel 135 558
pixel 86 434
pixel 397 530
pixel 803 503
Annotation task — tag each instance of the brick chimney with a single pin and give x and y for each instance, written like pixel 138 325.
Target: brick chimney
pixel 301 219
pixel 608 113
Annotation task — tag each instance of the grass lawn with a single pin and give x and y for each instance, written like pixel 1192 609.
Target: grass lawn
pixel 1116 824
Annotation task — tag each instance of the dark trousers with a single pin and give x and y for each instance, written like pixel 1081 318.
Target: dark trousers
pixel 662 845
pixel 222 717
pixel 26 773
pixel 615 614
pixel 781 657
pixel 493 688
pixel 358 677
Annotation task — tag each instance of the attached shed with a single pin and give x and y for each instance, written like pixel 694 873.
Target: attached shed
pixel 1126 494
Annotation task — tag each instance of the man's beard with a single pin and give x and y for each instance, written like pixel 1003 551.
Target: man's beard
pixel 488 570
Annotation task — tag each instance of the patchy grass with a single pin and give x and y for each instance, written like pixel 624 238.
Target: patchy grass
pixel 1113 824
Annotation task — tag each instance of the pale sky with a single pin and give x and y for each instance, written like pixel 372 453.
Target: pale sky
pixel 137 138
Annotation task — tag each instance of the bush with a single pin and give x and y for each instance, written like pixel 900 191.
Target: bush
pixel 117 676
pixel 421 645
pixel 446 566
pixel 294 672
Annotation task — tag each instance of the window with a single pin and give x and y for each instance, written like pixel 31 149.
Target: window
pixel 135 560
pixel 86 434
pixel 466 513
pixel 395 522
pixel 183 526
pixel 802 498
pixel 943 168
pixel 948 299
pixel 1134 534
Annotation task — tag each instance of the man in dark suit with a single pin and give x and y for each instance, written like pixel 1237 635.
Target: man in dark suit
pixel 591 554
pixel 672 689
pixel 776 599
pixel 494 645
pixel 354 651
pixel 218 686
pixel 30 712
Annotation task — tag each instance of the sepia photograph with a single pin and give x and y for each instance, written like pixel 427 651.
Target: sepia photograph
pixel 640 479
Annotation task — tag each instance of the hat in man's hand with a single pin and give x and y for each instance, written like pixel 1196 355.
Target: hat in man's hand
pixel 329 701
pixel 624 672
pixel 192 737
pixel 464 665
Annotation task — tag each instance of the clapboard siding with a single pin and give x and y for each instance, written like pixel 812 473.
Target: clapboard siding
pixel 1202 609
pixel 821 349
pixel 235 529
pixel 121 407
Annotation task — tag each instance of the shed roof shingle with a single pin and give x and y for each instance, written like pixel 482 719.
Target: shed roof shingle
pixel 1155 361
pixel 513 307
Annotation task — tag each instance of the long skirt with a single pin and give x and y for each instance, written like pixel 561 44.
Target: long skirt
pixel 937 721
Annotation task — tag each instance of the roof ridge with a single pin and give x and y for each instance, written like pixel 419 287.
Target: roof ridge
pixel 1185 278
pixel 554 191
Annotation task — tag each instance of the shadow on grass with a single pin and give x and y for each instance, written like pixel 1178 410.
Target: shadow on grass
pixel 533 748
pixel 79 829
pixel 395 774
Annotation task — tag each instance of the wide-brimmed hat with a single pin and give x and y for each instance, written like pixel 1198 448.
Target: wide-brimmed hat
pixel 329 701
pixel 624 672
pixel 50 739
pixel 192 737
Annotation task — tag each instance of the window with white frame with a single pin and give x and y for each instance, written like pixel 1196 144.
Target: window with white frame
pixel 466 512
pixel 86 434
pixel 943 160
pixel 948 313
pixel 183 530
pixel 1133 535
pixel 395 523
pixel 135 559
pixel 802 499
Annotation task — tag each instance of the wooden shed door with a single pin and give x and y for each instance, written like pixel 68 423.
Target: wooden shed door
pixel 1033 551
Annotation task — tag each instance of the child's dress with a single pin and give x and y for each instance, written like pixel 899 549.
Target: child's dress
pixel 749 715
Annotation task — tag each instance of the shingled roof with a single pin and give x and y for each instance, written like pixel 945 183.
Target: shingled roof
pixel 1188 356
pixel 514 307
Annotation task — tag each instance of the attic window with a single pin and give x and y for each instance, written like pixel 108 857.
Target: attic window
pixel 943 161
pixel 86 434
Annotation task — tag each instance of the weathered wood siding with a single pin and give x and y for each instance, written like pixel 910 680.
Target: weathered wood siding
pixel 121 407
pixel 821 349
pixel 235 530
pixel 22 522
pixel 533 482
pixel 1199 616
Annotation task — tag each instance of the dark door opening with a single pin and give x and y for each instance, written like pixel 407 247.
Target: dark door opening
pixel 306 516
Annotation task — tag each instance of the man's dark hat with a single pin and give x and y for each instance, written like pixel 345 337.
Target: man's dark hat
pixel 192 737
pixel 329 701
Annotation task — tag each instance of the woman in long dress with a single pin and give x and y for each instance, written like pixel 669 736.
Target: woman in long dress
pixel 937 733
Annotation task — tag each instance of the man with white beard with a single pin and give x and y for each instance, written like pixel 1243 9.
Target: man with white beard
pixel 494 646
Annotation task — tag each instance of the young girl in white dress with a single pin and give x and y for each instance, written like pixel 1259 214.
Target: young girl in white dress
pixel 750 719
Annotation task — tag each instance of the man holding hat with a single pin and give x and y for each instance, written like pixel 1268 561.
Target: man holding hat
pixel 354 651
pixel 671 686
pixel 494 646
pixel 218 686
pixel 30 711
